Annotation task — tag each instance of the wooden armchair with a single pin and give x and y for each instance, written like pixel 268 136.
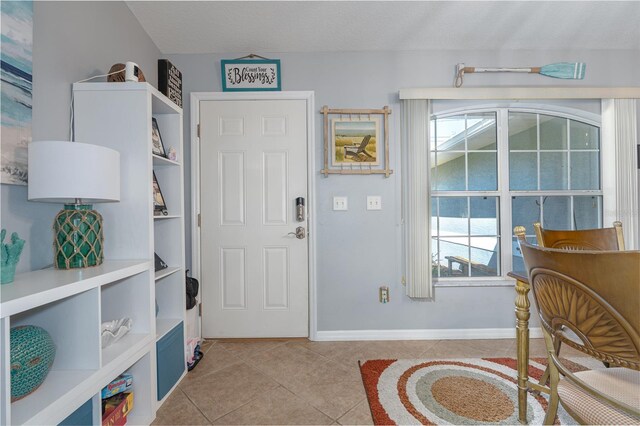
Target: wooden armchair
pixel 587 239
pixel 596 296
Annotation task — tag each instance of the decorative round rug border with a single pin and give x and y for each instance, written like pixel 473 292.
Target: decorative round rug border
pixel 388 408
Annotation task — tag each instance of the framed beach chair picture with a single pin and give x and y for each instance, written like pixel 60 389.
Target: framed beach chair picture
pixel 355 141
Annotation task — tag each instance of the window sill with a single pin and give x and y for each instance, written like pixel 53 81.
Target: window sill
pixel 476 282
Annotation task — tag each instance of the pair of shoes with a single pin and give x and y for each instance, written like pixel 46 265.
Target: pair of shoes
pixel 197 356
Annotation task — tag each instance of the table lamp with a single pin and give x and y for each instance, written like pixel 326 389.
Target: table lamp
pixel 77 175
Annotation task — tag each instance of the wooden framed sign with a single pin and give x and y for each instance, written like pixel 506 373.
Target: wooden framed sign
pixel 244 75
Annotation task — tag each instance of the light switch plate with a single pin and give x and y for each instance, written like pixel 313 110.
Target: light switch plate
pixel 340 203
pixel 374 202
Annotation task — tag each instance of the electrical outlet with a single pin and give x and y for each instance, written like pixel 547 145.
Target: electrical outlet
pixel 374 202
pixel 384 294
pixel 340 203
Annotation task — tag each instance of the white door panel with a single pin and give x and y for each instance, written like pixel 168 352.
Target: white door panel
pixel 253 164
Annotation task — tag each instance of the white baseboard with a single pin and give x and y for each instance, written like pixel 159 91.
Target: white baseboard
pixel 435 334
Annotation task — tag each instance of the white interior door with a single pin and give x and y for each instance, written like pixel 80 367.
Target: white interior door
pixel 253 166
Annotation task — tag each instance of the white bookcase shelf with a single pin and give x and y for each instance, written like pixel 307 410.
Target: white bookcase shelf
pixel 166 272
pixel 131 342
pixel 37 288
pixel 159 161
pixel 173 216
pixel 72 304
pixel 43 406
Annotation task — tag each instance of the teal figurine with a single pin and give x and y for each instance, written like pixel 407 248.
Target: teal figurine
pixel 10 256
pixel 32 355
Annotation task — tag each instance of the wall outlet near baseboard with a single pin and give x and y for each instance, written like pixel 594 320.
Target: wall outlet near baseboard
pixel 384 294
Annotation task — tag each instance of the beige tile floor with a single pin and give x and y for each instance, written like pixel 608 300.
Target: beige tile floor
pixel 301 382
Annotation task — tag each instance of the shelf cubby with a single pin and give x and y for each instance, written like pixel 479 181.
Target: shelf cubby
pixel 141 369
pixel 128 298
pixel 167 234
pixel 169 291
pixel 143 396
pixel 169 179
pixel 73 325
pixel 165 325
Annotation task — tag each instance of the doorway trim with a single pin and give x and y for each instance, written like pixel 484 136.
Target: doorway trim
pixel 309 97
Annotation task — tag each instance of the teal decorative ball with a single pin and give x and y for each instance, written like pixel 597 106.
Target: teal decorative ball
pixel 32 354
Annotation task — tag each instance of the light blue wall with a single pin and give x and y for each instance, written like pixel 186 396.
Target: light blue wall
pixel 358 250
pixel 72 41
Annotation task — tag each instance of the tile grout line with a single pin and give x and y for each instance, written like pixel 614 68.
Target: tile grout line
pixel 195 405
pixel 284 385
pixel 306 400
pixel 309 403
pixel 246 403
pixel 237 408
pixel 215 371
pixel 352 408
pixel 430 348
pixel 248 358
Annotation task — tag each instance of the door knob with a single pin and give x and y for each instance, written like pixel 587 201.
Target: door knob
pixel 299 234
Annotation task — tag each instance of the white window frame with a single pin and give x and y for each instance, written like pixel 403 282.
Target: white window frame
pixel 503 192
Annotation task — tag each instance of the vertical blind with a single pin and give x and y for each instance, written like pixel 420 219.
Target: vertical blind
pixel 417 201
pixel 620 161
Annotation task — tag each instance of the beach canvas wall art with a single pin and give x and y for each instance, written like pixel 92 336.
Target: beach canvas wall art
pixel 16 72
pixel 355 141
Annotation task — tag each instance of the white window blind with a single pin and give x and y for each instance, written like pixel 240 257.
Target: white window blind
pixel 619 157
pixel 417 199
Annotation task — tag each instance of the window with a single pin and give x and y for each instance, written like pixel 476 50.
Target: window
pixel 539 167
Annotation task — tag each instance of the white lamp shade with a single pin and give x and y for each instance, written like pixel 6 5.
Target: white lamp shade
pixel 61 172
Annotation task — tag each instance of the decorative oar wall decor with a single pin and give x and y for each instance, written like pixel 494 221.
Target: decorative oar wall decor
pixel 565 70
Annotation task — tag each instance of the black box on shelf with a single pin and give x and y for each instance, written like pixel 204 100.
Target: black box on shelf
pixel 170 81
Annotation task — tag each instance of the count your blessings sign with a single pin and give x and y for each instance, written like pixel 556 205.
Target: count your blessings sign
pixel 242 75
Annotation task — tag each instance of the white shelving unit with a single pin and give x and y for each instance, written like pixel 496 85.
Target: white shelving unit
pixel 118 115
pixel 71 304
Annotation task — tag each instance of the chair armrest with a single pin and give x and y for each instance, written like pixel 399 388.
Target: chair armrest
pixel 519 277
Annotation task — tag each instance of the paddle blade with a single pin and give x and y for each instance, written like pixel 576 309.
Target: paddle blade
pixel 566 70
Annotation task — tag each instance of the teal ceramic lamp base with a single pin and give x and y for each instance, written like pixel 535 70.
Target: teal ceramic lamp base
pixel 78 235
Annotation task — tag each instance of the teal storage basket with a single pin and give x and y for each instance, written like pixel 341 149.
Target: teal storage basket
pixel 170 359
pixel 32 355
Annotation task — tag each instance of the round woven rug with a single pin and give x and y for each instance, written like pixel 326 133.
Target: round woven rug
pixel 461 392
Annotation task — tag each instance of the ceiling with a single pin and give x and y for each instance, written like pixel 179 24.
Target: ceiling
pixel 310 26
